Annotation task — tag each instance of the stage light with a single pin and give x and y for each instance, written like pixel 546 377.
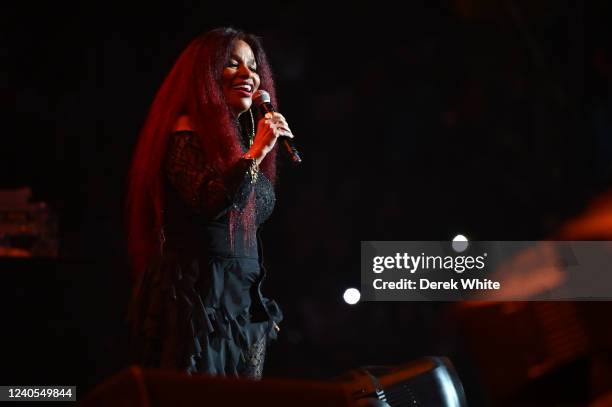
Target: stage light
pixel 351 296
pixel 460 243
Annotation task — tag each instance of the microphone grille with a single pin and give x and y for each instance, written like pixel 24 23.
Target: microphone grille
pixel 261 96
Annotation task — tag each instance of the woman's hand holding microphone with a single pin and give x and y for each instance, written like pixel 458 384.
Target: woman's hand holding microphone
pixel 269 129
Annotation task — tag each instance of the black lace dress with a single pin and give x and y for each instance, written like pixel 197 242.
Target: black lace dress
pixel 200 307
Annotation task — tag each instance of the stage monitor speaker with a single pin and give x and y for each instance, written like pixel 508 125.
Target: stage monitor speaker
pixel 427 382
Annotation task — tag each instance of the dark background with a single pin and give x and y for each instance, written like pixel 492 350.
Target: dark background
pixel 416 121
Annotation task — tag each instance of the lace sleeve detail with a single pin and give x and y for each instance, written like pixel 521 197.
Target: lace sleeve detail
pixel 207 191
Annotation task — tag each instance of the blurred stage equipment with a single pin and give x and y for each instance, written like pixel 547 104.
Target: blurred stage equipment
pixel 136 387
pixel 27 229
pixel 530 343
pixel 428 382
pixel 525 342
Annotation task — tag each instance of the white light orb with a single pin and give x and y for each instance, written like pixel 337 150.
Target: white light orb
pixel 351 296
pixel 460 243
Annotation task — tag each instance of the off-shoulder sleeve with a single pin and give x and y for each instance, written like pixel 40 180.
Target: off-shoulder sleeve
pixel 207 191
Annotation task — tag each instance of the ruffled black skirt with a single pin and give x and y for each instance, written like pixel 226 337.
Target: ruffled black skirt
pixel 194 314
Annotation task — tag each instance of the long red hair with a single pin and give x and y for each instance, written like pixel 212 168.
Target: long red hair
pixel 193 87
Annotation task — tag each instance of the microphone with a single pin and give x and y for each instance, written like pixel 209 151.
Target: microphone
pixel 261 98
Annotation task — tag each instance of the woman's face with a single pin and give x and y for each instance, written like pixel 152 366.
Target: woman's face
pixel 240 78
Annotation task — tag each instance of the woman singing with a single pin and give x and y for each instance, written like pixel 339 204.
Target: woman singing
pixel 200 185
